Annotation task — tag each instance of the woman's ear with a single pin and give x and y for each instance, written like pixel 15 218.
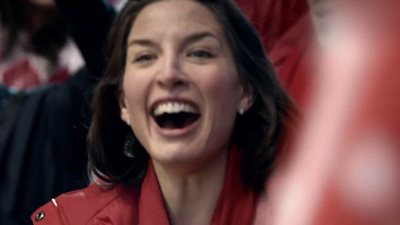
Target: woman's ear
pixel 124 109
pixel 246 99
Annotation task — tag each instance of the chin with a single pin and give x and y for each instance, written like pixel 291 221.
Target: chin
pixel 185 159
pixel 174 154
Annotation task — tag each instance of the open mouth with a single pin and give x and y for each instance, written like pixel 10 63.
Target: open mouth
pixel 173 115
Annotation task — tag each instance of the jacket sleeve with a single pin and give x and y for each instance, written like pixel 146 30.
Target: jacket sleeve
pixel 47 215
pixel 116 204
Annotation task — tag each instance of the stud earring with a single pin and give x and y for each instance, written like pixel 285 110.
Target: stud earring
pixel 241 111
pixel 128 122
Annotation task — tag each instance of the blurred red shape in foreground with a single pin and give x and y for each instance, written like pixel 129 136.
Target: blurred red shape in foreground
pixel 345 166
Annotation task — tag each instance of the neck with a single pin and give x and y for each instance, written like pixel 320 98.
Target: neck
pixel 191 198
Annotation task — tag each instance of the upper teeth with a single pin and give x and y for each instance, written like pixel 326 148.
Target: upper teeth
pixel 173 107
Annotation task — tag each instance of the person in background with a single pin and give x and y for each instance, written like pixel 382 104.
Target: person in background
pixel 43 130
pixel 36 47
pixel 187 121
pixel 286 31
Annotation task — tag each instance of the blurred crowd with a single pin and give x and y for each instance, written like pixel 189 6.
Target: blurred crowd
pixel 36 46
pixel 338 60
pixel 52 57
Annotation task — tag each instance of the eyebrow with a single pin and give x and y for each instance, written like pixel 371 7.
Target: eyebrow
pixel 143 42
pixel 198 36
pixel 187 40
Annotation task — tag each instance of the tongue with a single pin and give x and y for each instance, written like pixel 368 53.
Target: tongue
pixel 169 124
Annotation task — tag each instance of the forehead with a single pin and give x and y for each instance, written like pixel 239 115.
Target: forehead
pixel 176 16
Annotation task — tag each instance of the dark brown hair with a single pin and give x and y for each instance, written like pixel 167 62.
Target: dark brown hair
pixel 257 132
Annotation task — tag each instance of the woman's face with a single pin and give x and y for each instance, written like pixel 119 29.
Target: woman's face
pixel 181 91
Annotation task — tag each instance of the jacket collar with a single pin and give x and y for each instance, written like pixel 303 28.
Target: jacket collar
pixel 120 204
pixel 236 204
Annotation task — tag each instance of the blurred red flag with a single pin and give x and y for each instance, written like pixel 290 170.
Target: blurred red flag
pixel 345 167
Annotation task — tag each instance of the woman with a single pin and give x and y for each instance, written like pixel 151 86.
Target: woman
pixel 201 110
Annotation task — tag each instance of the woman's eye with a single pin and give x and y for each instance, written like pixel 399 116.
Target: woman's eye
pixel 200 54
pixel 145 58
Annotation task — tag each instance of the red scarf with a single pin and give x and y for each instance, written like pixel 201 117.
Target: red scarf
pixel 235 205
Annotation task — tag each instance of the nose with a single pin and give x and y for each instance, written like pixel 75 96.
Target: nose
pixel 171 74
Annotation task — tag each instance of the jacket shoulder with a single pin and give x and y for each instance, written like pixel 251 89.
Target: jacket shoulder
pixel 91 205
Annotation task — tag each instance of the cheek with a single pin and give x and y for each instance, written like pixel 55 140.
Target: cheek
pixel 221 90
pixel 219 81
pixel 135 94
pixel 135 90
pixel 131 95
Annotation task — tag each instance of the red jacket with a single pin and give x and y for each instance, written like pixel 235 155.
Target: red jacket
pixel 115 205
pixel 122 205
pixel 93 205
